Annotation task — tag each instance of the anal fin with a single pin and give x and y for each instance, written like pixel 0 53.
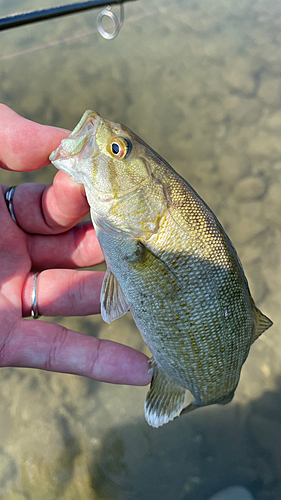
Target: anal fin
pixel 164 400
pixel 113 301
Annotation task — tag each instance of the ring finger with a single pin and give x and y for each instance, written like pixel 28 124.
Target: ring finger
pixel 64 292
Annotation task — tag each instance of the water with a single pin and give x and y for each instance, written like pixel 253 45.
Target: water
pixel 200 82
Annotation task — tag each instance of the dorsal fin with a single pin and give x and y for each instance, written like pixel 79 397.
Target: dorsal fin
pixel 262 322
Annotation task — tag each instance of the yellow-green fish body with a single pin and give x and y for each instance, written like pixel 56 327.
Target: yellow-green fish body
pixel 169 261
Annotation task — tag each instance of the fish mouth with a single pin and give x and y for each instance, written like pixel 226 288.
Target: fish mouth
pixel 78 146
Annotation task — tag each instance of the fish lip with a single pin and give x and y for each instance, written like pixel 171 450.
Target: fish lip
pixel 87 128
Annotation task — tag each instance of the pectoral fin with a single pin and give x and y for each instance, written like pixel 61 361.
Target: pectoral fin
pixel 164 400
pixel 113 301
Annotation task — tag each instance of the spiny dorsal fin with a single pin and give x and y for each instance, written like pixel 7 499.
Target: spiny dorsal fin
pixel 262 322
pixel 113 301
pixel 164 400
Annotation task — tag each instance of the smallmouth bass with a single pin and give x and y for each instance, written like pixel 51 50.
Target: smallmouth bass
pixel 169 262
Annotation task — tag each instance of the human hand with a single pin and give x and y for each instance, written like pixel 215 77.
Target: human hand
pixel 49 239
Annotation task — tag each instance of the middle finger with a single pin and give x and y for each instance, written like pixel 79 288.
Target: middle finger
pixel 50 209
pixel 78 247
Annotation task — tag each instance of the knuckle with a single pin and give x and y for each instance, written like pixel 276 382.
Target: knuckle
pixel 81 290
pixel 55 351
pixel 94 361
pixel 78 235
pixel 77 293
pixel 5 348
pixel 3 352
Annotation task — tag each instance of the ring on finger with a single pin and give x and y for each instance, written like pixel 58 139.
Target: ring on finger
pixel 9 202
pixel 34 299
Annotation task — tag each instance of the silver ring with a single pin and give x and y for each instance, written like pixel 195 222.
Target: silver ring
pixel 34 302
pixel 9 202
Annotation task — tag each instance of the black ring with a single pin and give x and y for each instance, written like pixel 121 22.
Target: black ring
pixel 9 202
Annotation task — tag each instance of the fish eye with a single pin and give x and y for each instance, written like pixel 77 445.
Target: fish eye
pixel 120 147
pixel 115 148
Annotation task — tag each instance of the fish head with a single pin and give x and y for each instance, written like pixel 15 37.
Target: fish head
pixel 115 166
pixel 103 155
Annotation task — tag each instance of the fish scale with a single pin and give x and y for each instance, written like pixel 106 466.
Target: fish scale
pixel 185 276
pixel 170 262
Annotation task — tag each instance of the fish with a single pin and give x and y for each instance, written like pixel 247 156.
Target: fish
pixel 170 262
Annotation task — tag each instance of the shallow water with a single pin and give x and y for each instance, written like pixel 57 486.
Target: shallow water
pixel 200 82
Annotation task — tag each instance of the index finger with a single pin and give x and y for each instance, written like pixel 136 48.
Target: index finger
pixel 26 146
pixel 43 209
